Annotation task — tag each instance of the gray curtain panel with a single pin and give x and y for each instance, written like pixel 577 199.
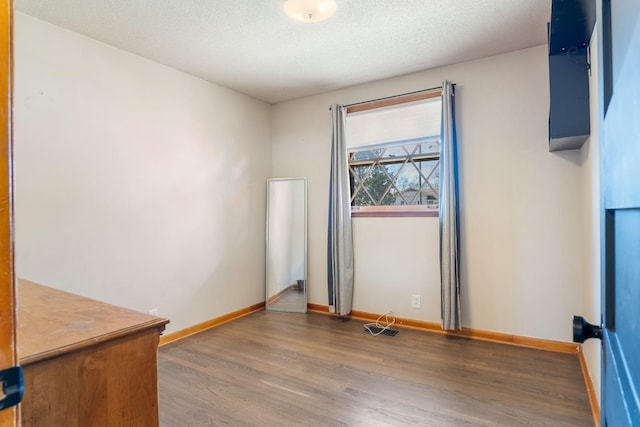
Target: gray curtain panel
pixel 340 237
pixel 449 218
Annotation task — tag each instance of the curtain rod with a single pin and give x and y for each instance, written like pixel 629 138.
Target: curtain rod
pixel 393 96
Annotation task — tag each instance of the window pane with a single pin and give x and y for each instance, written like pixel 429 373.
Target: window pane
pixel 379 180
pixel 359 195
pixel 429 147
pixel 378 184
pixel 396 151
pixel 363 155
pixel 408 179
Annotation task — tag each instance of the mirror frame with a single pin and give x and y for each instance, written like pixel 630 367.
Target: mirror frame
pixel 269 240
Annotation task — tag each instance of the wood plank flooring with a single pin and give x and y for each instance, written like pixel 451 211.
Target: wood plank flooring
pixel 288 369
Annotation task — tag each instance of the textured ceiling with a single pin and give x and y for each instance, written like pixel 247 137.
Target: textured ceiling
pixel 251 46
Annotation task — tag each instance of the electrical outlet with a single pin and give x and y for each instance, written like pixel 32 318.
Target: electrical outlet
pixel 415 301
pixel 153 311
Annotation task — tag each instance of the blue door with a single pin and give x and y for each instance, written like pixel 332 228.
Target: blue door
pixel 619 36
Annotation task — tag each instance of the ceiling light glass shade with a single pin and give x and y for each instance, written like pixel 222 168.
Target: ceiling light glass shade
pixel 310 10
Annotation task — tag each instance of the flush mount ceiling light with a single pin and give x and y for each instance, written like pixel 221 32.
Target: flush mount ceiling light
pixel 310 10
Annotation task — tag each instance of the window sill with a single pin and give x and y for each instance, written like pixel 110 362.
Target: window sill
pixel 393 211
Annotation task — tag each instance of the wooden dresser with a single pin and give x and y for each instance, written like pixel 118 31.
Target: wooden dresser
pixel 86 363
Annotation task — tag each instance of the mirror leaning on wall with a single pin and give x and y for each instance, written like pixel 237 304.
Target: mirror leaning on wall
pixel 286 251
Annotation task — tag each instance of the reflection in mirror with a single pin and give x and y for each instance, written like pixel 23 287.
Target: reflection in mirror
pixel 286 260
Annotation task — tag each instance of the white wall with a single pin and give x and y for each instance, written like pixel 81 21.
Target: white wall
pixel 136 184
pixel 143 186
pixel 521 206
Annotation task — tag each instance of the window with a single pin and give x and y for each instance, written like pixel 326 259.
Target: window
pixel 394 158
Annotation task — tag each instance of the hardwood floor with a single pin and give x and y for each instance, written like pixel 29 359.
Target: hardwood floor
pixel 287 369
